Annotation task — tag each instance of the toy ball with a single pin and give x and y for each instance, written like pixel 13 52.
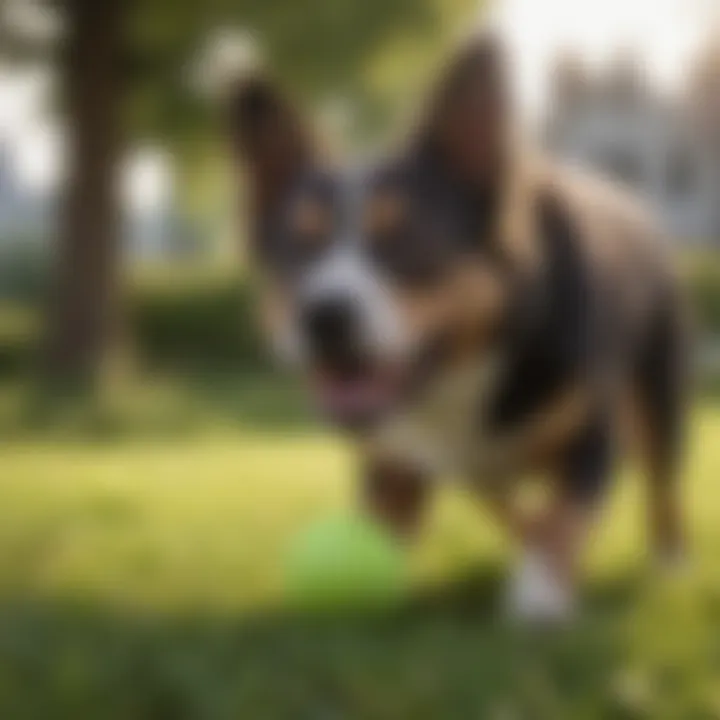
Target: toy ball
pixel 346 562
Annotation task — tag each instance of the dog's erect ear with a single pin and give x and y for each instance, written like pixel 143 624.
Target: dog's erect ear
pixel 470 129
pixel 469 116
pixel 269 139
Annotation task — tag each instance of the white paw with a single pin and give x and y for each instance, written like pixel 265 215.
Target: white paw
pixel 536 594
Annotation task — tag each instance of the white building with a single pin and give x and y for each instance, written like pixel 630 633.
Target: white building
pixel 23 213
pixel 667 148
pixel 28 216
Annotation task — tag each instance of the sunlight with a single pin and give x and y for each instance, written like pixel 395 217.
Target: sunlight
pixel 663 33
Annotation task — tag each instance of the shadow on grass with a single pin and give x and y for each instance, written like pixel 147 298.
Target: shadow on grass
pixel 444 655
pixel 266 402
pixel 178 407
pixel 160 408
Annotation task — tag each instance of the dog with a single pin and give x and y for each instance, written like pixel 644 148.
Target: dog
pixel 467 307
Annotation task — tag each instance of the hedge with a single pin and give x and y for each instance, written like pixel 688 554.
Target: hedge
pixel 702 275
pixel 24 268
pixel 18 339
pixel 209 322
pixel 172 324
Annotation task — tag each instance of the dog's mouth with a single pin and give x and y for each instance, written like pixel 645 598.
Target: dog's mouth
pixel 357 395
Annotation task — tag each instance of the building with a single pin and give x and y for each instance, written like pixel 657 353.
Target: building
pixel 23 213
pixel 28 217
pixel 665 147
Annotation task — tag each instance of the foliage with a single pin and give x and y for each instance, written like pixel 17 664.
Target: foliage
pixel 207 322
pixel 24 265
pixel 318 49
pixel 18 339
pixel 703 282
pixel 194 318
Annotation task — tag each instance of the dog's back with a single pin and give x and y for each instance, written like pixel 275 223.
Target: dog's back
pixel 613 310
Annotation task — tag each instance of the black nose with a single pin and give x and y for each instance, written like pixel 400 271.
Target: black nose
pixel 331 327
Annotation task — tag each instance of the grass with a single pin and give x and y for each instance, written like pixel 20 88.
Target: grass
pixel 141 577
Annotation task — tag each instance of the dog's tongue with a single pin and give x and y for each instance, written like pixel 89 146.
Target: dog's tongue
pixel 347 399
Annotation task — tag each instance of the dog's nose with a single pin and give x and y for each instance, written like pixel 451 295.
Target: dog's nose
pixel 331 327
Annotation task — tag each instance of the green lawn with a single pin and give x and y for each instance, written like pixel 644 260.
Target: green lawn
pixel 141 577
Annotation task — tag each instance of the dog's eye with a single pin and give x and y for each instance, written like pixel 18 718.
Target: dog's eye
pixel 406 253
pixel 385 215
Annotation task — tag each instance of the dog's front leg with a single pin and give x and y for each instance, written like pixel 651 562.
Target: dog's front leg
pixel 543 583
pixel 546 579
pixel 395 494
pixel 552 541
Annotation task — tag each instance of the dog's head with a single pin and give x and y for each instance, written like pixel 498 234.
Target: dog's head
pixel 375 277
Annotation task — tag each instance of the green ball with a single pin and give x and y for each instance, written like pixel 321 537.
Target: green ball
pixel 345 562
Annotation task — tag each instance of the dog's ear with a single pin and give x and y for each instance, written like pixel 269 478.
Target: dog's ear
pixel 469 117
pixel 269 139
pixel 469 127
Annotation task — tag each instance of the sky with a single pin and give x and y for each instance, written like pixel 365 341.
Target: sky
pixel 665 34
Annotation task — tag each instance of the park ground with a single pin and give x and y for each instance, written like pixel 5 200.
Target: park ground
pixel 141 577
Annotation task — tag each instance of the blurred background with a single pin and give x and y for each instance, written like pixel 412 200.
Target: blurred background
pixel 154 465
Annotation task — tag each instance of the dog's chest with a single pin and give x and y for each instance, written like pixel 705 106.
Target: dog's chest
pixel 443 432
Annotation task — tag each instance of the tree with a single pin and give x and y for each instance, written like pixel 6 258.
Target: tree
pixel 84 296
pixel 124 68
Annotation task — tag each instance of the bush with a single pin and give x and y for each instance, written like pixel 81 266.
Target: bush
pixel 201 320
pixel 24 265
pixel 173 324
pixel 18 339
pixel 702 275
pixel 208 319
pixel 209 324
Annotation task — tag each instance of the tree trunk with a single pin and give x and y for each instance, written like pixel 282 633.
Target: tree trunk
pixel 84 304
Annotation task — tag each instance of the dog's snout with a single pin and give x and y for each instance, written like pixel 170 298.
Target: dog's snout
pixel 331 326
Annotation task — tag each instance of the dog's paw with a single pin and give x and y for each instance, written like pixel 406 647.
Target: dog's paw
pixel 535 593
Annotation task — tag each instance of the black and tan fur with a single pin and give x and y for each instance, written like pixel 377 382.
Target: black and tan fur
pixel 487 251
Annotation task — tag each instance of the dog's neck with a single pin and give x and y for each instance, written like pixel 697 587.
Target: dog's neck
pixel 439 428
